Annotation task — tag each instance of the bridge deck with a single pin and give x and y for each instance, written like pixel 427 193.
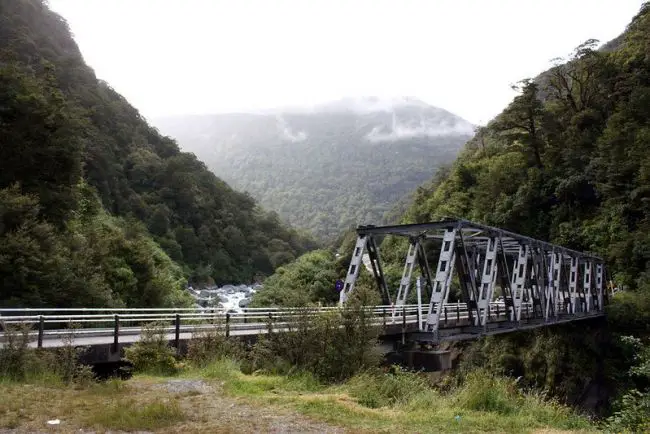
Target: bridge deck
pixel 394 324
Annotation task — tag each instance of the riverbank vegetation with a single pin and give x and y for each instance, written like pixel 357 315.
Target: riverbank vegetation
pixel 328 375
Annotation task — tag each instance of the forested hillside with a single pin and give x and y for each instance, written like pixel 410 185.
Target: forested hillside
pixel 96 207
pixel 329 167
pixel 567 160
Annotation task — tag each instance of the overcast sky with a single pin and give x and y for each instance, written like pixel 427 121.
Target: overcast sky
pixel 204 56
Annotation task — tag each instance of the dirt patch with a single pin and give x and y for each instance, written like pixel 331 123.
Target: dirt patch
pixel 210 411
pixel 27 408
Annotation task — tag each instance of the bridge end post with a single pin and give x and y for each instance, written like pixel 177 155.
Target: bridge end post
pixel 41 329
pixel 177 334
pixel 116 334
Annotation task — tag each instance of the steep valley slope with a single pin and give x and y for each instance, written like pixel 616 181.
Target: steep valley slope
pixel 327 167
pixel 98 208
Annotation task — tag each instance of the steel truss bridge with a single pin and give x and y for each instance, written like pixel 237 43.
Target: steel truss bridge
pixel 540 284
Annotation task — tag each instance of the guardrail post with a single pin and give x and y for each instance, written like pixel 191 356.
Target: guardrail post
pixel 527 312
pixel 497 311
pixel 457 313
pixel 245 317
pixel 116 334
pixel 41 327
pixel 177 335
pixel 384 316
pixel 445 315
pixel 403 325
pixel 227 324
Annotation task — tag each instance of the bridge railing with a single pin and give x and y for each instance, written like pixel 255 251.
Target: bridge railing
pixel 53 323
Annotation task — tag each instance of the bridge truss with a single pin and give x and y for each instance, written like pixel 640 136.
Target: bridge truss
pixel 541 283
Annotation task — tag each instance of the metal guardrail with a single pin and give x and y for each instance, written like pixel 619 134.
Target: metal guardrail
pixel 54 323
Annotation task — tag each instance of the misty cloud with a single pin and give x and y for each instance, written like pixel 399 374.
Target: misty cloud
pixel 286 133
pixel 425 127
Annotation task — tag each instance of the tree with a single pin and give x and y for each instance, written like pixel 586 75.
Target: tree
pixel 520 123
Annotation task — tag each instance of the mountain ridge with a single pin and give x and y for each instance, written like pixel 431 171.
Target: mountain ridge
pixel 96 207
pixel 327 167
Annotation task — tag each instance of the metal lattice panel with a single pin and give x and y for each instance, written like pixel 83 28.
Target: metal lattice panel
pixel 535 280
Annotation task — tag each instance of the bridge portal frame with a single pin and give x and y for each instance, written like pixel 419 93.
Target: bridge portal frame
pixel 553 283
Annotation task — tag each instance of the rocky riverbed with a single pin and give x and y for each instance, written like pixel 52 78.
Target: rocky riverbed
pixel 229 297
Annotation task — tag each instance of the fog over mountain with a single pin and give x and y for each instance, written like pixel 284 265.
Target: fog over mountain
pixel 329 166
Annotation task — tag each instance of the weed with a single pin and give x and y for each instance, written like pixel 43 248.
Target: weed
pixel 333 346
pixel 209 345
pixel 152 354
pixel 16 358
pixel 484 392
pixel 131 415
pixel 375 389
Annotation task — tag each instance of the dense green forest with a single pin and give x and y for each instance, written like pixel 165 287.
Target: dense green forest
pixel 96 207
pixel 329 168
pixel 567 161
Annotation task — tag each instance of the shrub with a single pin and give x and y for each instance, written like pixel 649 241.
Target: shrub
pixel 333 346
pixel 16 358
pixel 68 366
pixel 633 414
pixel 152 354
pixel 19 362
pixel 375 389
pixel 209 345
pixel 482 391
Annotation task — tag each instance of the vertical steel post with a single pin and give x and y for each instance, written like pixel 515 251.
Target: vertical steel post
pixel 419 297
pixel 403 325
pixel 353 270
pixel 227 324
pixel 487 282
pixel 587 285
pixel 599 286
pixel 177 333
pixel 519 281
pixel 405 282
pixel 444 273
pixel 41 329
pixel 116 333
pixel 573 285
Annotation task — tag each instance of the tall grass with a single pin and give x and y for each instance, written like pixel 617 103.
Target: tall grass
pixel 19 362
pixel 130 415
pixel 152 353
pixel 333 346
pixel 402 400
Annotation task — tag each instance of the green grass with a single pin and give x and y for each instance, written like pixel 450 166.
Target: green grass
pixel 371 401
pixel 236 383
pixel 128 415
pixel 403 402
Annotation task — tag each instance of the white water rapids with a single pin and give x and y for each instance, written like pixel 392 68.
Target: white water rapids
pixel 229 297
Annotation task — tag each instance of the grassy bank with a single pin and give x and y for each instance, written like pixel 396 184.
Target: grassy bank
pixel 220 398
pixel 401 401
pixel 323 376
